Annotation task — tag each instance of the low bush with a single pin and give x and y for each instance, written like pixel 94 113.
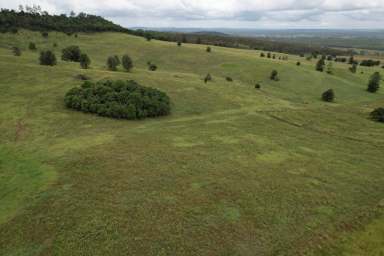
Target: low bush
pixel 112 63
pixel 378 115
pixel 257 86
pixel 71 53
pixel 16 51
pixel 209 49
pixel 118 99
pixel 127 62
pixel 328 96
pixel 152 67
pixel 229 79
pixel 207 78
pixel 44 34
pixel 47 58
pixel 298 63
pixel 32 46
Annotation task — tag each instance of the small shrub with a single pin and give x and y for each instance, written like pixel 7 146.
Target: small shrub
pixel 47 58
pixel 328 95
pixel 262 55
pixel 374 82
pixel 127 62
pixel 320 65
pixel 378 115
pixel 274 75
pixel 118 99
pixel 269 55
pixel 16 51
pixel 55 44
pixel 229 79
pixel 32 46
pixel 207 78
pixel 44 34
pixel 152 67
pixel 112 63
pixel 84 61
pixel 353 68
pixel 71 53
pixel 209 49
pixel 298 63
pixel 179 43
pixel 257 86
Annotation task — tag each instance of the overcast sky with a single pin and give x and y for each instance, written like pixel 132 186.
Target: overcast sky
pixel 225 13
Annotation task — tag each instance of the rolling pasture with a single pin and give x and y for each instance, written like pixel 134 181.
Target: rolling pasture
pixel 233 170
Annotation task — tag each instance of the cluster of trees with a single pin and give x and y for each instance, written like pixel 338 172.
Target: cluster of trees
pixel 73 53
pixel 114 61
pixel 370 63
pixel 118 99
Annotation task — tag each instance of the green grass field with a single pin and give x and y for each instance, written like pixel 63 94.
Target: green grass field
pixel 232 171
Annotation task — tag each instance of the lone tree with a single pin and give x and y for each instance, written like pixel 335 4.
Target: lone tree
pixel 84 61
pixel 32 46
pixel 117 59
pixel 328 95
pixel 47 58
pixel 320 65
pixel 16 51
pixel 374 82
pixel 112 63
pixel 298 63
pixel 329 68
pixel 179 43
pixel 209 49
pixel 353 68
pixel 269 55
pixel 151 66
pixel 378 115
pixel 127 62
pixel 274 75
pixel 207 78
pixel 71 53
pixel 262 55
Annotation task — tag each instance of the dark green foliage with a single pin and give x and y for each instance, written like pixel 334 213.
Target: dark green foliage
pixel 229 79
pixel 84 61
pixel 329 68
pixel 55 44
pixel 47 58
pixel 298 63
pixel 273 56
pixel 353 68
pixel 269 55
pixel 274 75
pixel 71 53
pixel 378 115
pixel 328 95
pixel 152 67
pixel 370 63
pixel 118 99
pixel 374 82
pixel 184 38
pixel 178 43
pixel 127 62
pixel 32 46
pixel 257 86
pixel 262 55
pixel 117 59
pixel 320 65
pixel 112 63
pixel 198 40
pixel 44 34
pixel 207 78
pixel 209 49
pixel 16 51
pixel 148 36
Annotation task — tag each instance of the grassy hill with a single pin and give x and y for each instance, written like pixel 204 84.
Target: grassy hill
pixel 232 171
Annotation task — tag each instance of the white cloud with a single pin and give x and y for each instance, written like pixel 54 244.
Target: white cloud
pixel 225 13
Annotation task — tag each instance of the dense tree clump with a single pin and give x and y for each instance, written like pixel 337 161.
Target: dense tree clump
pixel 32 46
pixel 84 60
pixel 374 82
pixel 274 76
pixel 328 95
pixel 378 115
pixel 112 63
pixel 47 58
pixel 16 51
pixel 118 99
pixel 127 62
pixel 71 53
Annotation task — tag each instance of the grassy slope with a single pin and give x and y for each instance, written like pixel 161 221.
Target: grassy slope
pixel 233 171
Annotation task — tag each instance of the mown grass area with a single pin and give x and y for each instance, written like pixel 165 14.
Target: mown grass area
pixel 232 171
